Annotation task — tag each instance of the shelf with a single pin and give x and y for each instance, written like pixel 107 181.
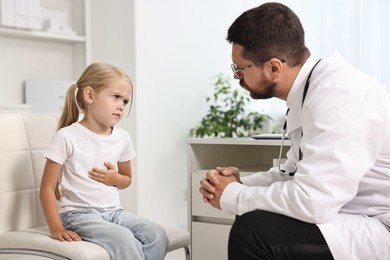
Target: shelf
pixel 244 170
pixel 236 141
pixel 41 35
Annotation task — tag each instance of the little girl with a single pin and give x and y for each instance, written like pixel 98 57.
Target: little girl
pixel 90 160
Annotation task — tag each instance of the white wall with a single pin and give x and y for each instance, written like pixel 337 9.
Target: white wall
pixel 359 29
pixel 180 45
pixel 112 41
pixel 172 49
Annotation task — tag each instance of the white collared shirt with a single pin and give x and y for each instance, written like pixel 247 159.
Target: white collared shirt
pixel 345 170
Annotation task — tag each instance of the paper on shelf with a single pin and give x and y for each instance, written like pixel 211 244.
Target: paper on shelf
pixel 7 13
pixel 55 21
pixel 21 14
pixel 34 14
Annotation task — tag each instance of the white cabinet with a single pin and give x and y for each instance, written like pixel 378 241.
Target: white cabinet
pixel 209 241
pixel 210 227
pixel 42 55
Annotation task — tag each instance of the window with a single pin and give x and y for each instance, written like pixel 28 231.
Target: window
pixel 359 29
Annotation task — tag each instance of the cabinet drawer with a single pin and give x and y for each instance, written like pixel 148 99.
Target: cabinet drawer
pixel 209 241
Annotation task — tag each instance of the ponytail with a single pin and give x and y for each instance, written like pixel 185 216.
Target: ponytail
pixel 70 114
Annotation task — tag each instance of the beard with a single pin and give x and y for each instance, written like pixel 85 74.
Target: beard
pixel 265 92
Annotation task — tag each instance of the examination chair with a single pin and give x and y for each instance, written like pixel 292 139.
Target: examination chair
pixel 23 231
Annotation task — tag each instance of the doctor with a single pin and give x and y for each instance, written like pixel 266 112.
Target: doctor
pixel 331 199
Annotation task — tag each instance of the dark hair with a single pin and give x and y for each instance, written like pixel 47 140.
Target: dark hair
pixel 271 30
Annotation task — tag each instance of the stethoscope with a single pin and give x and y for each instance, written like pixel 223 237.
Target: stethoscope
pixel 307 84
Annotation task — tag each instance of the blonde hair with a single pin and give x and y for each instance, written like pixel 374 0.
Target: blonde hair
pixel 98 76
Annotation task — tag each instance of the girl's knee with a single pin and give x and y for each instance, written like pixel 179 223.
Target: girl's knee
pixel 161 235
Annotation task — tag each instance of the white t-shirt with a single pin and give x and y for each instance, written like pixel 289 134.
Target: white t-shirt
pixel 78 149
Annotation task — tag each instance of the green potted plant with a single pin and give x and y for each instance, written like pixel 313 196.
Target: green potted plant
pixel 227 115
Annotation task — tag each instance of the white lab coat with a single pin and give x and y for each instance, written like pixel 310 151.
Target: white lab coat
pixel 342 184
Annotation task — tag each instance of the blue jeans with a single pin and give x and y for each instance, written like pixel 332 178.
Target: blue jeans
pixel 125 236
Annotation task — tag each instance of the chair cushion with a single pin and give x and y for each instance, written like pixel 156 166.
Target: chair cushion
pixel 39 239
pixel 178 237
pixel 23 142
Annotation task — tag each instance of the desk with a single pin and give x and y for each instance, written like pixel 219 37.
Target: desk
pixel 210 227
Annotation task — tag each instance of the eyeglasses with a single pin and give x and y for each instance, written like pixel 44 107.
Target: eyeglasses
pixel 236 70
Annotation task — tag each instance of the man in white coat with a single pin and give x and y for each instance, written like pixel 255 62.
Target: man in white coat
pixel 331 198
